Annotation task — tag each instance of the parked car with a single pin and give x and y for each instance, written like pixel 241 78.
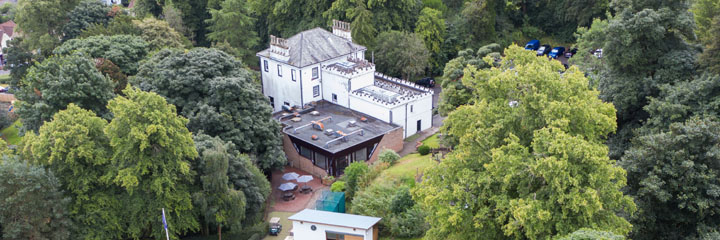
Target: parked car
pixel 571 53
pixel 275 226
pixel 532 45
pixel 556 52
pixel 544 49
pixel 427 82
pixel 598 53
pixel 3 89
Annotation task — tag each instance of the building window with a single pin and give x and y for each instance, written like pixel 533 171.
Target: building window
pixel 315 74
pixel 272 102
pixel 287 104
pixel 334 98
pixel 279 70
pixel 320 161
pixel 292 74
pixel 316 91
pixel 411 108
pixel 307 153
pixel 266 65
pixel 361 155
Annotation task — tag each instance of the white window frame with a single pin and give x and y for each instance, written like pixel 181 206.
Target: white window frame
pixel 316 91
pixel 279 67
pixel 267 67
pixel 292 74
pixel 315 73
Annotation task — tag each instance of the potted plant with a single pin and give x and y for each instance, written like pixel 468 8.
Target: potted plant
pixel 328 180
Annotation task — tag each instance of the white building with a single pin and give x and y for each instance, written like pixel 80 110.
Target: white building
pixel 317 65
pixel 311 224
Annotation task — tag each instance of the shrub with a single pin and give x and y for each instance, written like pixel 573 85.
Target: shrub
pixel 353 174
pixel 6 119
pixel 388 156
pixel 338 186
pixel 375 201
pixel 423 150
pixel 408 224
pixel 374 172
pixel 401 201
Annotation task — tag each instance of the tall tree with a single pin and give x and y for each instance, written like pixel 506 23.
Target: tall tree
pixel 74 147
pixel 151 162
pixel 173 17
pixel 32 206
pixel 86 13
pixel 530 162
pixel 704 11
pixel 431 28
pixel 710 57
pixel 479 21
pixel 674 176
pixel 42 21
pixel 158 34
pixel 19 59
pixel 58 81
pixel 219 203
pixel 125 51
pixel 233 24
pixel 368 16
pixel 454 93
pixel 121 24
pixel 401 54
pixel 220 98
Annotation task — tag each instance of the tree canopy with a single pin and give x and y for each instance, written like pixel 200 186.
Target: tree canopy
pixel 158 34
pixel 233 24
pixel 401 54
pixel 454 93
pixel 125 51
pixel 530 160
pixel 42 22
pixel 220 98
pixel 86 13
pixel 58 81
pixel 32 206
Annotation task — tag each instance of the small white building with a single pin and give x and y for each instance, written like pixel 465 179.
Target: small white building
pixel 317 65
pixel 311 224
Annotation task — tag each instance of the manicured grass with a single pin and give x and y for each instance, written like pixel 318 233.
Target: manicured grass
pixel 406 168
pixel 4 78
pixel 286 225
pixel 432 141
pixel 10 134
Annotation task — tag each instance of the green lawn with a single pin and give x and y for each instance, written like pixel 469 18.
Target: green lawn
pixel 286 225
pixel 406 168
pixel 10 134
pixel 432 141
pixel 5 78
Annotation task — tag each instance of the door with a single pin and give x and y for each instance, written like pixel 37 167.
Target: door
pixel 419 125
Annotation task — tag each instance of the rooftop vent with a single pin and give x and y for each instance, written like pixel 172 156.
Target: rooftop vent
pixel 363 119
pixel 314 137
pixel 296 119
pixel 314 113
pixel 352 123
pixel 329 132
pixel 317 125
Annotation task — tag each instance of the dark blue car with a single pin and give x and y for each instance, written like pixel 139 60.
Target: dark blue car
pixel 532 45
pixel 556 52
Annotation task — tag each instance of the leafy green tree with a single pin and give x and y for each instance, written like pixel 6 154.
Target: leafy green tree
pixel 86 13
pixel 454 93
pixel 479 21
pixel 367 17
pixel 121 24
pixel 435 4
pixel 431 28
pixel 220 98
pixel 32 206
pixel 194 13
pixel 353 173
pixel 674 178
pixel 147 8
pixel 388 156
pixel 529 160
pixel 158 34
pixel 401 54
pixel 7 12
pixel 173 17
pixel 58 81
pixel 286 18
pixel 233 24
pixel 125 51
pixel 152 150
pixel 375 200
pixel 74 147
pixel 19 59
pixel 108 68
pixel 42 21
pixel 704 12
pixel 242 175
pixel 218 202
pixel 710 57
pixel 589 234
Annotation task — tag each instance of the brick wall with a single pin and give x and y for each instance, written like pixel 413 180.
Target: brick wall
pixel 298 161
pixel 392 140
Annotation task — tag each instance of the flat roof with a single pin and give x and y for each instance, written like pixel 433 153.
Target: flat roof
pixel 337 118
pixel 336 219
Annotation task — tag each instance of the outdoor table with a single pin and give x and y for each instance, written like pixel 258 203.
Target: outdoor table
pixel 306 189
pixel 287 196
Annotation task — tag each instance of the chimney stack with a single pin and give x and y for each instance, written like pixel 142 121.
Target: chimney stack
pixel 342 29
pixel 279 48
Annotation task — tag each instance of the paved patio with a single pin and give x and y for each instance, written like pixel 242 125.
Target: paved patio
pixel 302 200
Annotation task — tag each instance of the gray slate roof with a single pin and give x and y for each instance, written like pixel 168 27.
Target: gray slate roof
pixel 336 219
pixel 314 46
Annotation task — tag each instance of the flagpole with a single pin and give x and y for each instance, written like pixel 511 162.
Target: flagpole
pixel 167 235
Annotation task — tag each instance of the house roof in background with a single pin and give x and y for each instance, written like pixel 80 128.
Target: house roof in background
pixel 8 28
pixel 336 219
pixel 316 45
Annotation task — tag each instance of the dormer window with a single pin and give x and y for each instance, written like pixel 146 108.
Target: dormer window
pixel 315 74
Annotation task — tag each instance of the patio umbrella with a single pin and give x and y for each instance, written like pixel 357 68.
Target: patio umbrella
pixel 304 179
pixel 287 186
pixel 290 176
